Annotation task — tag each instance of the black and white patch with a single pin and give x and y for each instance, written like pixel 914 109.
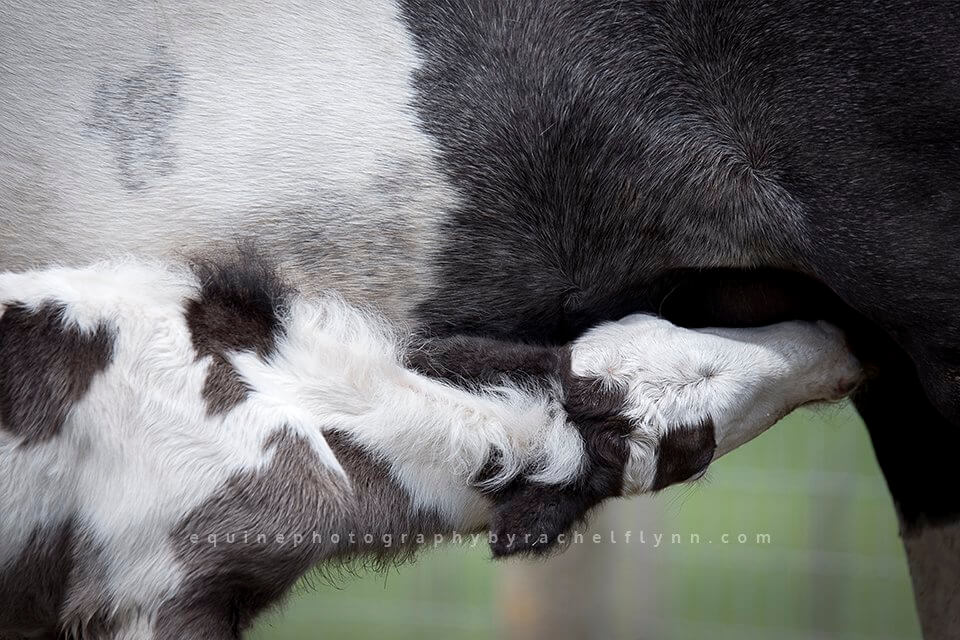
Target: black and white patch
pixel 239 309
pixel 46 366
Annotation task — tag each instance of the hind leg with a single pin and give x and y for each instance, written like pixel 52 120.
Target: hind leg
pixel 916 448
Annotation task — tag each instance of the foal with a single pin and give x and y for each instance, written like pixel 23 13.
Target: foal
pixel 178 447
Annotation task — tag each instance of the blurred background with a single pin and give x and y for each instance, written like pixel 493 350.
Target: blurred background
pixel 791 537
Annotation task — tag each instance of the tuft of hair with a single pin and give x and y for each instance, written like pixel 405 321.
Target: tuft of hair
pixel 247 285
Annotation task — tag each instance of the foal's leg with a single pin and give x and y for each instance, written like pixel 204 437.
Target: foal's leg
pixel 653 402
pixel 531 513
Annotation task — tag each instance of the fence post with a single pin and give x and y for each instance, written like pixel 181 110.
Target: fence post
pixel 592 590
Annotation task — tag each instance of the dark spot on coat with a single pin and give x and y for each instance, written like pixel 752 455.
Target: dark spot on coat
pixel 296 494
pixel 239 309
pixel 470 362
pixel 229 583
pixel 684 452
pixel 135 112
pixel 378 505
pixel 46 366
pixel 33 588
pixel 56 580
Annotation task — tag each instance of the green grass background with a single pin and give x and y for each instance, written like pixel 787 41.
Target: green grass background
pixel 833 569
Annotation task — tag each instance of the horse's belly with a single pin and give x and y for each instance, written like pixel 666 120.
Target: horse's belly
pixel 161 129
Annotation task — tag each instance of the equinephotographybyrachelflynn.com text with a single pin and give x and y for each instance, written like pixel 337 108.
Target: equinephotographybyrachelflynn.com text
pixel 653 539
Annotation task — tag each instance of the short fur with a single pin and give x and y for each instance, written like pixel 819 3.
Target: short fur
pixel 150 523
pixel 524 169
pixel 239 309
pixel 45 367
